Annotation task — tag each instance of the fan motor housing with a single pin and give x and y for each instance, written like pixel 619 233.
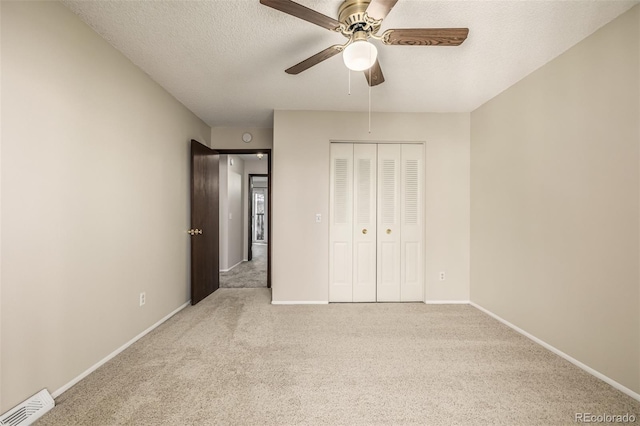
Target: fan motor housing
pixel 352 13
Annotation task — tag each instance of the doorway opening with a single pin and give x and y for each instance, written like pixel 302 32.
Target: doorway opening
pixel 258 229
pixel 245 218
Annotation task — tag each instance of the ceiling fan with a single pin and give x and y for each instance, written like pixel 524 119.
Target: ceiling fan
pixel 359 21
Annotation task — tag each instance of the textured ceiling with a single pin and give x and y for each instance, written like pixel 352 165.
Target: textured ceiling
pixel 225 59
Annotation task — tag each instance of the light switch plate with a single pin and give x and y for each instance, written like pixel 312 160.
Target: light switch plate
pixel 318 218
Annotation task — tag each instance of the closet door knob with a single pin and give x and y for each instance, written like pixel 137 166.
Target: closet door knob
pixel 388 231
pixel 364 231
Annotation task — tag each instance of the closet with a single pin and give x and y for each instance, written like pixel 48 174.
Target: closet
pixel 376 247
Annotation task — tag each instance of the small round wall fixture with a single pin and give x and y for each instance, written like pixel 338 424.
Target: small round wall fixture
pixel 246 137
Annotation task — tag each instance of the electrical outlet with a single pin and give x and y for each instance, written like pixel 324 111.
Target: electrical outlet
pixel 442 276
pixel 143 298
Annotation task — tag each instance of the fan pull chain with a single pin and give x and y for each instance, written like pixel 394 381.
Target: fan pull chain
pixel 349 71
pixel 370 96
pixel 369 103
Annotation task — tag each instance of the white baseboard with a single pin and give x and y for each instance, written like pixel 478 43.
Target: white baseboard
pixel 558 352
pixel 227 270
pixel 103 361
pixel 428 302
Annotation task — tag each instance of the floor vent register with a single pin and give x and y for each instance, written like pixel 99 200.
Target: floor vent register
pixel 29 411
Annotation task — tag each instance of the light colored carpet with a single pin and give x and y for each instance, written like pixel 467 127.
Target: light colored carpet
pixel 235 359
pixel 251 274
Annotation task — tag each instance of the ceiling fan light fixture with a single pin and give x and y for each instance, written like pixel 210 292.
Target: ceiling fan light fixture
pixel 360 55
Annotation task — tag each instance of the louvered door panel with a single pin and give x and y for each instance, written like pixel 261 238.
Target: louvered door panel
pixel 389 219
pixel 412 222
pixel 364 223
pixel 341 224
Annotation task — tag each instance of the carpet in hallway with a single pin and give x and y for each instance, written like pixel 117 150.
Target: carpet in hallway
pixel 250 274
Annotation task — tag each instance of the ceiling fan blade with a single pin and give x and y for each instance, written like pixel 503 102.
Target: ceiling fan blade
pixel 426 36
pixel 379 9
pixel 376 77
pixel 303 12
pixel 315 59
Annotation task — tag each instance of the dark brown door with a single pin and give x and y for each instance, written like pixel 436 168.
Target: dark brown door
pixel 204 221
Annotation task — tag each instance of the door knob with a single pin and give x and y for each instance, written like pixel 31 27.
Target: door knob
pixel 364 231
pixel 388 231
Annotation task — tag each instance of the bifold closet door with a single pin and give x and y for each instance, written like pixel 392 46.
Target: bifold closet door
pixel 376 221
pixel 412 224
pixel 364 223
pixel 341 224
pixel 388 229
pixel 400 223
pixel 352 252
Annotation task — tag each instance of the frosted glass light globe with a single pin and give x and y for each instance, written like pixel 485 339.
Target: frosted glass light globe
pixel 360 55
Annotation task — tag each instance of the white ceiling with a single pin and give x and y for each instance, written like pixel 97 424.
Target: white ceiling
pixel 225 59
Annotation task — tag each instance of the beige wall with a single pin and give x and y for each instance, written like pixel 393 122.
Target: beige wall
pixel 231 209
pixel 234 219
pixel 231 138
pixel 300 247
pixel 94 199
pixel 554 202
